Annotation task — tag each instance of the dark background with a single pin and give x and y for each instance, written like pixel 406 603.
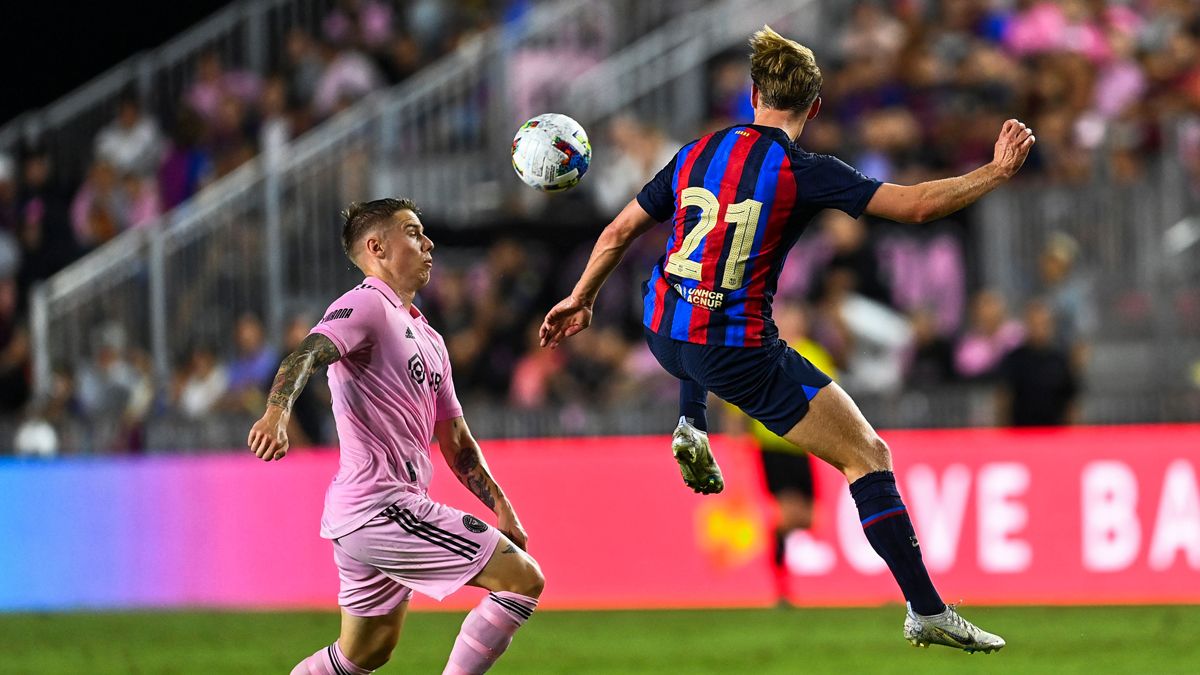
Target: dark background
pixel 50 48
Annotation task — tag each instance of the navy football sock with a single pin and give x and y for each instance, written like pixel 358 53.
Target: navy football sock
pixel 780 547
pixel 693 404
pixel 887 526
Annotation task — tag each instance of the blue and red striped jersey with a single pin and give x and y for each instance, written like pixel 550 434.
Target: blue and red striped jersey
pixel 737 200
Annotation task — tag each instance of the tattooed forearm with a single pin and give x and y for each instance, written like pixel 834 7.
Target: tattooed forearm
pixel 482 488
pixel 469 467
pixel 468 459
pixel 316 351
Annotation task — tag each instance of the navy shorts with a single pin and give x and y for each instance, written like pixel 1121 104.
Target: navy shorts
pixel 773 383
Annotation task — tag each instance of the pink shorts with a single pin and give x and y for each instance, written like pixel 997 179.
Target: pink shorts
pixel 414 545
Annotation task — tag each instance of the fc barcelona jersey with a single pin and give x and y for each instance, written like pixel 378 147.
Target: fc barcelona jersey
pixel 737 200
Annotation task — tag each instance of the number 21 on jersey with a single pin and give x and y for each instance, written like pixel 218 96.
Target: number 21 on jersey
pixel 744 218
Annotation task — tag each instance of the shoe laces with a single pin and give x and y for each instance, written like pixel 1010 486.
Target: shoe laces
pixel 957 619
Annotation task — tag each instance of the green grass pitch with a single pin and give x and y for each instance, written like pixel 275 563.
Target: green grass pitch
pixel 1091 640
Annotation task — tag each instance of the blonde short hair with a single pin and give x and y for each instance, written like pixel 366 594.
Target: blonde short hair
pixel 784 70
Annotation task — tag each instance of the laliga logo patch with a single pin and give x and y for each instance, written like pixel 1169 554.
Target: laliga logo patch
pixel 416 369
pixel 474 524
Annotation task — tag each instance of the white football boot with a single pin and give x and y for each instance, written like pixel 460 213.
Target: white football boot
pixel 696 462
pixel 951 630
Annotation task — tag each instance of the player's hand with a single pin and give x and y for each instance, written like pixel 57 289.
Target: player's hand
pixel 1013 147
pixel 268 437
pixel 507 522
pixel 566 319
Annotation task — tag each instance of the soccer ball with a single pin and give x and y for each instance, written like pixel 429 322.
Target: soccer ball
pixel 551 152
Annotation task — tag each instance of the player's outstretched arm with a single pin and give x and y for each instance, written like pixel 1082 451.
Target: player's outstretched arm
pixel 268 437
pixel 465 459
pixel 574 313
pixel 939 198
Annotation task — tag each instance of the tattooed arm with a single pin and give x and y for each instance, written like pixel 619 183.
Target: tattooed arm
pixel 268 437
pixel 465 459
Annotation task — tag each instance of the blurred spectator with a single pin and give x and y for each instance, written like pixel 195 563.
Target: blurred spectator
pixel 14 342
pixel 130 435
pixel 879 336
pixel 100 210
pixel 792 318
pixel 214 85
pixel 401 59
pixel 640 151
pixel 132 143
pixel 105 387
pixel 230 135
pixel 108 204
pixel 534 376
pixel 145 203
pixel 275 124
pixel 872 33
pixel 593 366
pixel 431 22
pixel 201 383
pixel 1038 384
pixel 44 227
pixel 367 23
pixel 348 76
pixel 187 165
pixel 990 337
pixel 931 356
pixel 891 141
pixel 253 366
pixel 854 252
pixel 304 66
pixel 1069 294
pixel 505 294
pixel 8 195
pixel 729 95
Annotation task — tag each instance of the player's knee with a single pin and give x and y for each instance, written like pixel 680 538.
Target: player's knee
pixel 877 455
pixel 871 454
pixel 533 581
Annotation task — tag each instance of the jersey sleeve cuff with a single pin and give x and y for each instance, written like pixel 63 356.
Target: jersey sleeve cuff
pixel 861 204
pixel 643 200
pixel 449 414
pixel 337 341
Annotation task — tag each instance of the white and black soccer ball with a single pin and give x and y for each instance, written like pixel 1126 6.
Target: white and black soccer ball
pixel 551 152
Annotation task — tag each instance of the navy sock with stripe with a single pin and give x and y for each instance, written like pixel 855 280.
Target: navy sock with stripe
pixel 693 404
pixel 887 526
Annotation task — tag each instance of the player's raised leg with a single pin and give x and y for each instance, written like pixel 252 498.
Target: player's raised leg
pixel 515 582
pixel 836 431
pixel 365 643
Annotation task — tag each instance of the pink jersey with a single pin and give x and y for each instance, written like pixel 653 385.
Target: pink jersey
pixel 390 386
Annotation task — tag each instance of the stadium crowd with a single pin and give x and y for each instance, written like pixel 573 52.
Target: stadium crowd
pixel 914 89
